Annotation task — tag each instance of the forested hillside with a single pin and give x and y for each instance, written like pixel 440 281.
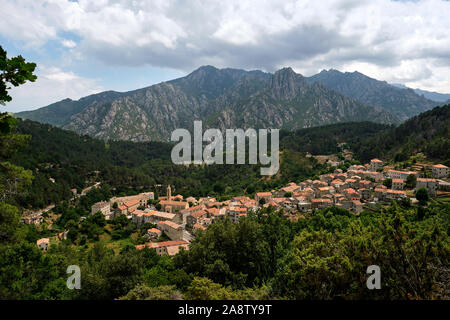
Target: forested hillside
pixel 76 161
pixel 325 139
pixel 428 132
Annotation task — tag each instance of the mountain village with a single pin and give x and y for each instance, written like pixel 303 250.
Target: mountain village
pixel 181 218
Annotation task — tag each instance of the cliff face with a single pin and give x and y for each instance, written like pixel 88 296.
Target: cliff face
pixel 222 98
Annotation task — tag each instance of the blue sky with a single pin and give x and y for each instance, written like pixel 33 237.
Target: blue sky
pixel 97 75
pixel 83 47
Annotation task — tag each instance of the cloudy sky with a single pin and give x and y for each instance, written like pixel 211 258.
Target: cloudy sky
pixel 83 47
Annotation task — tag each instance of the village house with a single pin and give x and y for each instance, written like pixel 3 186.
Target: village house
pixel 289 204
pixel 170 248
pixel 43 244
pixel 288 189
pixel 345 204
pixel 250 204
pixel 309 192
pixel 33 218
pixel 357 173
pixel 142 198
pixel 263 195
pixel 327 178
pixel 341 176
pixel 356 206
pixel 338 198
pixel 356 167
pixel 138 217
pixel 351 194
pixel 195 217
pixel 235 213
pixel 215 213
pixel 173 206
pixel 157 216
pixel 198 227
pixel 379 193
pixel 241 199
pixel 103 207
pixel 191 200
pixel 304 206
pixel 394 194
pixel 397 184
pixel 182 215
pixel 322 191
pixel 430 184
pixel 338 184
pixel 171 229
pixel 321 203
pixel 376 164
pixel 396 174
pixel 318 184
pixel 351 183
pixel 439 171
pixel 377 176
pixel 127 208
pixel 215 204
pixel 154 233
pixel 205 200
pixel 365 184
pixel 443 185
pixel 383 194
pixel 364 194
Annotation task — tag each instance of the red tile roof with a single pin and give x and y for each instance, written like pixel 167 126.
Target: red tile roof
pixel 440 166
pixel 161 244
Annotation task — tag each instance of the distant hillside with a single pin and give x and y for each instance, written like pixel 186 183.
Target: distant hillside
pixel 430 95
pixel 402 102
pixel 223 98
pixel 435 96
pixel 428 132
pixel 59 113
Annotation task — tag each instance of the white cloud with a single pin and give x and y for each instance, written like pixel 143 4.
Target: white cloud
pixel 52 84
pixel 405 41
pixel 68 43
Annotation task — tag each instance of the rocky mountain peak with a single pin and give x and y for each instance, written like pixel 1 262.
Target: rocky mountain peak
pixel 285 83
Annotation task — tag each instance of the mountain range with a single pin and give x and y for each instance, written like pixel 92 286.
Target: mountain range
pixel 233 98
pixel 430 95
